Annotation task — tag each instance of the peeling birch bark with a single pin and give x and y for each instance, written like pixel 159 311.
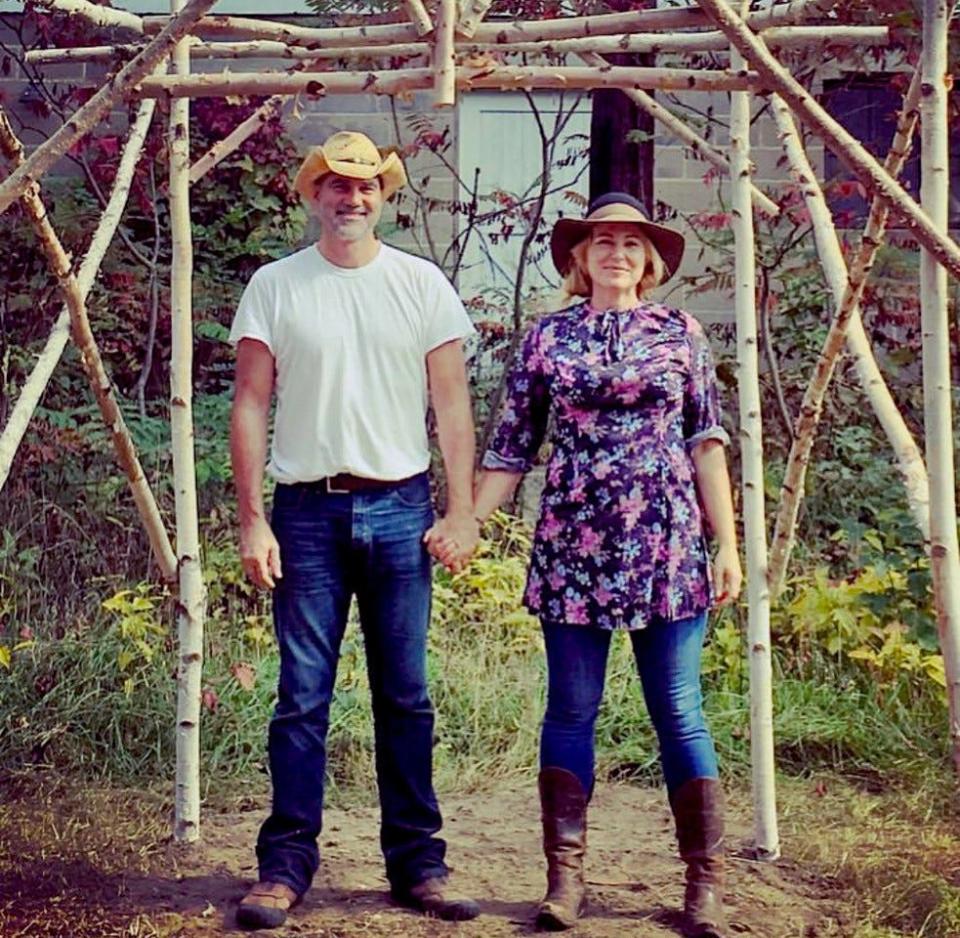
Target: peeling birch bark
pixel 935 328
pixel 192 594
pixel 765 831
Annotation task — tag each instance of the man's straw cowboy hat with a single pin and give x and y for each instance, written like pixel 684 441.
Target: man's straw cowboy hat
pixel 615 207
pixel 348 153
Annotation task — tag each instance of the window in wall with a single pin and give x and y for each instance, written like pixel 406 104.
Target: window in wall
pixel 868 107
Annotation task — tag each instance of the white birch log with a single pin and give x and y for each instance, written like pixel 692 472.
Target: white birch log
pixel 765 832
pixel 607 24
pixel 106 17
pixel 789 37
pixel 418 15
pixel 190 608
pixel 444 67
pixel 935 327
pixel 850 151
pixel 503 77
pixel 688 136
pixel 90 114
pixel 237 137
pixel 472 15
pixel 97 376
pixel 847 288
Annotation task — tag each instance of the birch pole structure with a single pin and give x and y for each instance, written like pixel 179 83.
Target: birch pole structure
pixel 935 328
pixel 36 383
pixel 100 383
pixel 850 151
pixel 765 832
pixel 777 37
pixel 190 608
pixel 847 288
pixel 90 114
pixel 418 15
pixel 444 66
pixel 94 13
pixel 685 134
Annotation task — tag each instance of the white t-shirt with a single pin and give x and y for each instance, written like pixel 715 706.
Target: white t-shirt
pixel 350 348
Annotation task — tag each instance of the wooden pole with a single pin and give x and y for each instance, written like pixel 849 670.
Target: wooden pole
pixel 36 383
pixel 190 608
pixel 473 12
pixel 94 13
pixel 688 136
pixel 91 113
pixel 237 137
pixel 852 153
pixel 503 77
pixel 100 383
pixel 607 24
pixel 418 15
pixel 935 328
pixel 765 833
pixel 846 325
pixel 444 66
pixel 778 37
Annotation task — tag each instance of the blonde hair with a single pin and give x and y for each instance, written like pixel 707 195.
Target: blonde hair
pixel 577 281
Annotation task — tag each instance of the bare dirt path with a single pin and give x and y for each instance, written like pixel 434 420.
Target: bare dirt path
pixel 634 878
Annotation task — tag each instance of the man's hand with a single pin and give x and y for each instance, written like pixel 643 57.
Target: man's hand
pixel 260 553
pixel 453 539
pixel 727 575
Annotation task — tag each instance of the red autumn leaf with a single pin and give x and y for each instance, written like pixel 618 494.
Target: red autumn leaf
pixel 209 699
pixel 245 675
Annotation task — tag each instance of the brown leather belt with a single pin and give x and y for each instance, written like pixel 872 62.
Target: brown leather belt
pixel 344 483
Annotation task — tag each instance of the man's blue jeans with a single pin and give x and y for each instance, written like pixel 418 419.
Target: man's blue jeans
pixel 332 547
pixel 668 659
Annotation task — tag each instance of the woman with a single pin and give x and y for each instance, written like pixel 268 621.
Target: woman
pixel 627 387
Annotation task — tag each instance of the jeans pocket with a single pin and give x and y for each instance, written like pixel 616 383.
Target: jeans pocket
pixel 414 493
pixel 287 498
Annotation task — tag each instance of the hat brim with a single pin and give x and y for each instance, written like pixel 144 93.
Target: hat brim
pixel 569 232
pixel 316 165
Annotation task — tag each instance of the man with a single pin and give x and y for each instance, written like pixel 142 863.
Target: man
pixel 355 338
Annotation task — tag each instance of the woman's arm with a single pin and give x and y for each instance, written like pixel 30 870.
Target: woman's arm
pixel 713 487
pixel 494 487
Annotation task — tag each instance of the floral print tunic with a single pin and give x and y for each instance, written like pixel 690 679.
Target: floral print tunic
pixel 626 394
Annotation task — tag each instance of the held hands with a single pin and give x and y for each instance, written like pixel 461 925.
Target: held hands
pixel 727 575
pixel 453 539
pixel 260 553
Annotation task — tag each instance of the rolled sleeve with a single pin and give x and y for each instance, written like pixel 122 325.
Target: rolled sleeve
pixel 701 402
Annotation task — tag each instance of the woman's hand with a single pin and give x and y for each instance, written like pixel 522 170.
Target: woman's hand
pixel 727 575
pixel 452 540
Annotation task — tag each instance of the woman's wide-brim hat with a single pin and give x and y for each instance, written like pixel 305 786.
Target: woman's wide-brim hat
pixel 615 208
pixel 349 153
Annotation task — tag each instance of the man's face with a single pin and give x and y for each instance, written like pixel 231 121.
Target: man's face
pixel 348 209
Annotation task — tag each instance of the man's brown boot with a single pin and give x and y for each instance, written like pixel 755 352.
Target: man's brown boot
pixel 563 804
pixel 434 897
pixel 698 810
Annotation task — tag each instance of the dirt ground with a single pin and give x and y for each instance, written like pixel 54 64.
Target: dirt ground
pixel 634 878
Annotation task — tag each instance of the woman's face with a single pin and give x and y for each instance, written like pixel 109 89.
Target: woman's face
pixel 616 257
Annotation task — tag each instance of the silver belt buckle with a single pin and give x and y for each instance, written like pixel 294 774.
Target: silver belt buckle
pixel 330 490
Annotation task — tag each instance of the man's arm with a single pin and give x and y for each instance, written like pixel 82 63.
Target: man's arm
pixel 454 537
pixel 259 550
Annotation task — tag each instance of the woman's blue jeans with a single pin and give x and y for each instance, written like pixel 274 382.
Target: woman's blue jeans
pixel 332 547
pixel 668 659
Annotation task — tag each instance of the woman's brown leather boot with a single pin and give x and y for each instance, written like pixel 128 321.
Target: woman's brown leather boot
pixel 698 808
pixel 564 809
